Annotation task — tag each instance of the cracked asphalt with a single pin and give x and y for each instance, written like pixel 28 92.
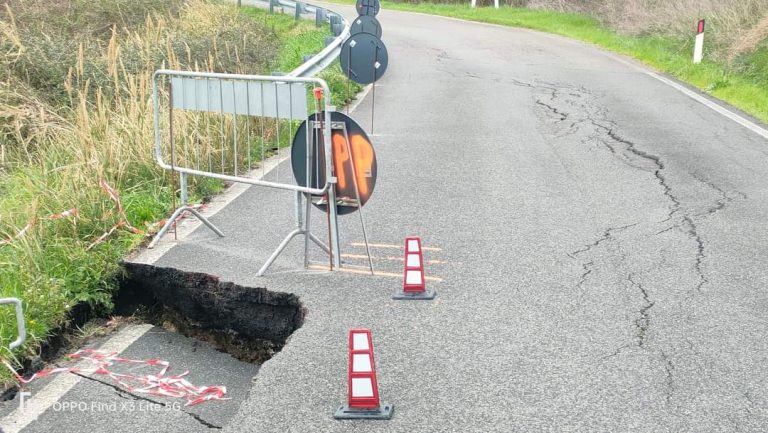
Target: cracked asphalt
pixel 600 248
pixel 598 236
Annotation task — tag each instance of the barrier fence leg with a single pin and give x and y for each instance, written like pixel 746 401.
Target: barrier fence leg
pixel 307 233
pixel 357 196
pixel 183 188
pixel 334 225
pixel 169 224
pixel 303 222
pixel 319 243
pixel 21 330
pixel 277 252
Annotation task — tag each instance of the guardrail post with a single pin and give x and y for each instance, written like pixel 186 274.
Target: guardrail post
pixel 319 17
pixel 336 25
pixel 299 9
pixel 21 328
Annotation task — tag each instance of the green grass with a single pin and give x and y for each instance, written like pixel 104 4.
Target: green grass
pixel 67 119
pixel 308 40
pixel 742 84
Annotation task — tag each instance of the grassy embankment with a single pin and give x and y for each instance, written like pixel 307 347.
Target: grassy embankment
pixel 741 80
pixel 75 108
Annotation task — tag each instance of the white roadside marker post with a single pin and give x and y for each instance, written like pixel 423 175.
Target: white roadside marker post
pixel 698 48
pixel 474 4
pixel 496 4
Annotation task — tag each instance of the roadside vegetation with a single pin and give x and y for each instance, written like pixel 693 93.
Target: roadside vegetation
pixel 76 123
pixel 658 33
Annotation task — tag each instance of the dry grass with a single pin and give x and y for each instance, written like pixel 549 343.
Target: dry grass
pixel 75 107
pixel 735 26
pixel 750 40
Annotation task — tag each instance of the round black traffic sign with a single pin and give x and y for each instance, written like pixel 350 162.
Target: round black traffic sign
pixel 368 7
pixel 366 24
pixel 363 58
pixel 358 153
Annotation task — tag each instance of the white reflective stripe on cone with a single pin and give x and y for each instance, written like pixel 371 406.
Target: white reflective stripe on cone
pixel 360 341
pixel 413 261
pixel 361 363
pixel 362 387
pixel 413 246
pixel 413 277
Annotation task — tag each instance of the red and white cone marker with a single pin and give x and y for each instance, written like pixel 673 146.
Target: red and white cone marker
pixel 363 390
pixel 414 286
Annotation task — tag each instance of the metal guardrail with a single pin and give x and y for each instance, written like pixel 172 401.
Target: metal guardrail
pixel 331 52
pixel 21 328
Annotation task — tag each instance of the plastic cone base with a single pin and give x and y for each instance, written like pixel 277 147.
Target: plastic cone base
pixel 427 294
pixel 382 412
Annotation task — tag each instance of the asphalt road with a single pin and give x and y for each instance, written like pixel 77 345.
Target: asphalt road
pixel 601 250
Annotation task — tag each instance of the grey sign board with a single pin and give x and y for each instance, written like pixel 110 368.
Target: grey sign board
pixel 239 97
pixel 363 58
pixel 366 24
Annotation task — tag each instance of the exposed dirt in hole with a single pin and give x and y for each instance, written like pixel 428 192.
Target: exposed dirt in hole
pixel 250 323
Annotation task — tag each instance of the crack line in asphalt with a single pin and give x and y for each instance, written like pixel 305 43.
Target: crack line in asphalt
pixel 563 116
pixel 691 228
pixel 123 393
pixel 723 201
pixel 670 380
pixel 670 228
pixel 750 401
pixel 587 271
pixel 657 169
pixel 694 234
pixel 644 321
pixel 607 235
pixel 615 352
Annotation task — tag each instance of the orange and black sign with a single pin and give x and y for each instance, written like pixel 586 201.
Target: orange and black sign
pixel 354 161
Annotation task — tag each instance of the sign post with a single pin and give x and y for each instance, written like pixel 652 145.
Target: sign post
pixel 698 48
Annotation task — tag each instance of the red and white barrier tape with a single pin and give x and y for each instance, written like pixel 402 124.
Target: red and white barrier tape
pixel 66 214
pixel 123 223
pixel 121 212
pixel 175 386
pixel 32 221
pixel 21 232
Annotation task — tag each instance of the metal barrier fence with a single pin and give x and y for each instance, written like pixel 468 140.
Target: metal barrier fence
pixel 221 125
pixel 21 334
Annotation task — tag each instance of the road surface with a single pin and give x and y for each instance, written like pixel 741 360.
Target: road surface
pixel 598 234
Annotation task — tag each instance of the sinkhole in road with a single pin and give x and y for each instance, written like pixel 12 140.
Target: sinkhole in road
pixel 250 323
